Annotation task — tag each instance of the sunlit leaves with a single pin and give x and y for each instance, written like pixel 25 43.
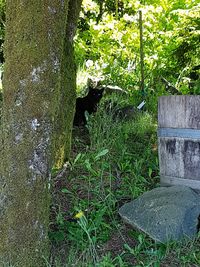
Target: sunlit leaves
pixel 170 33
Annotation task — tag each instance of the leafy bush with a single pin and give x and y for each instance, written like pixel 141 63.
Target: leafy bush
pixel 112 44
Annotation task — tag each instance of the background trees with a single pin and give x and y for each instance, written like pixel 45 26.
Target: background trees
pixel 108 38
pixel 111 44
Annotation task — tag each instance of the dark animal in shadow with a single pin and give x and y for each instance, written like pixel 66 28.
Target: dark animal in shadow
pixel 127 112
pixel 88 103
pixel 120 113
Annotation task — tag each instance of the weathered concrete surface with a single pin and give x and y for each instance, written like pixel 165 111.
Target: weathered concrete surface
pixel 165 213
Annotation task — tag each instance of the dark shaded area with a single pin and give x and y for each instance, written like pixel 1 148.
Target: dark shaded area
pixel 170 87
pixel 2 29
pixel 198 225
pixel 171 146
pixel 194 74
pixel 192 159
pixel 1 51
pixel 117 112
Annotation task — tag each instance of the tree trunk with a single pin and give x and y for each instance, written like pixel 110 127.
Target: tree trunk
pixel 35 32
pixel 67 101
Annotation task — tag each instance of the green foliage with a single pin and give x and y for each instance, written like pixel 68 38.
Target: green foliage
pixel 111 45
pixel 120 164
pixel 108 42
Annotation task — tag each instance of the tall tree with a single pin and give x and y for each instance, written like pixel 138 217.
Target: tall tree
pixel 35 60
pixel 68 85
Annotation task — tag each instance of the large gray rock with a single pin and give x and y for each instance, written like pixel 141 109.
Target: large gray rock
pixel 164 213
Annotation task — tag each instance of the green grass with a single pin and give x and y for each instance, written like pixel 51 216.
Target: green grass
pixel 120 164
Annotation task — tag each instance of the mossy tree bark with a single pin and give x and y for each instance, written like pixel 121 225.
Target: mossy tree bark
pixel 35 35
pixel 68 88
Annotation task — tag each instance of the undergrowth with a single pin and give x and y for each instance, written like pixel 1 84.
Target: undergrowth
pixel 114 161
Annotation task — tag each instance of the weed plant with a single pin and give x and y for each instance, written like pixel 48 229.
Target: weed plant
pixel 119 164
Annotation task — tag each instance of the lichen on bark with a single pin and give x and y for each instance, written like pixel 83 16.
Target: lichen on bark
pixel 35 31
pixel 68 88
